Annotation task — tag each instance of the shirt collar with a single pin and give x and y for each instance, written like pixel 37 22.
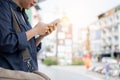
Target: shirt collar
pixel 16 7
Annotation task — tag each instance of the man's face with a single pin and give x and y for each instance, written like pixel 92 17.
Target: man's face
pixel 27 3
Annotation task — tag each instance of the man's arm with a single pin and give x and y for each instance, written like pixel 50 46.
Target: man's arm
pixel 52 26
pixel 39 29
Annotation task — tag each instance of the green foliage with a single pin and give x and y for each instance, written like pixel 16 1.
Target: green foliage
pixel 50 61
pixel 77 61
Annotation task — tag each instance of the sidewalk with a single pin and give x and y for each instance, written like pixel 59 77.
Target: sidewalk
pixel 83 71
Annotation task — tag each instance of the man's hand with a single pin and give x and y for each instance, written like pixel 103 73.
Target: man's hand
pixel 52 26
pixel 41 28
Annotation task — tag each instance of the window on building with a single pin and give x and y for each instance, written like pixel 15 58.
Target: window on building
pixel 116 28
pixel 117 17
pixel 116 38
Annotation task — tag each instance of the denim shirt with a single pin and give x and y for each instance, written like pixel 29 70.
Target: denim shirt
pixel 11 43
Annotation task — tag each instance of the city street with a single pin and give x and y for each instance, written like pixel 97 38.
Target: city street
pixel 55 73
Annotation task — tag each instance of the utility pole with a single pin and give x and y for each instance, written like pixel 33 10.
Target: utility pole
pixel 57 42
pixel 88 41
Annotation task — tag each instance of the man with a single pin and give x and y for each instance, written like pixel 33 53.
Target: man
pixel 11 42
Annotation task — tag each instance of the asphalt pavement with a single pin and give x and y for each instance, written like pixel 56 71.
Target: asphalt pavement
pixel 81 70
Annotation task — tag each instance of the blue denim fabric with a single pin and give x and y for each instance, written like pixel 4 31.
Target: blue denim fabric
pixel 11 43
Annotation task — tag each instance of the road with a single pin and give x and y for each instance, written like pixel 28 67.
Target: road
pixel 58 74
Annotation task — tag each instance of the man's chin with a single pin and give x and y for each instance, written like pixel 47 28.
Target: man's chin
pixel 28 7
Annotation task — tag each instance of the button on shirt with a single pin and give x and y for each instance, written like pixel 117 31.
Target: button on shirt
pixel 11 43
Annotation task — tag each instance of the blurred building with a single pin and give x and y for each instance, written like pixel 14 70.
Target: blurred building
pixel 64 43
pixel 80 50
pixel 101 37
pixel 104 34
pixel 110 30
pixel 95 38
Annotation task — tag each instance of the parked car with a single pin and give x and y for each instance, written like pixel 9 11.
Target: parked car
pixel 108 60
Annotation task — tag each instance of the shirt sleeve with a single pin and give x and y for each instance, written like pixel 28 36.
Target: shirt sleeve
pixel 10 41
pixel 22 40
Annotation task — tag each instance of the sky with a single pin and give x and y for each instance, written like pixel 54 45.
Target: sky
pixel 80 12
